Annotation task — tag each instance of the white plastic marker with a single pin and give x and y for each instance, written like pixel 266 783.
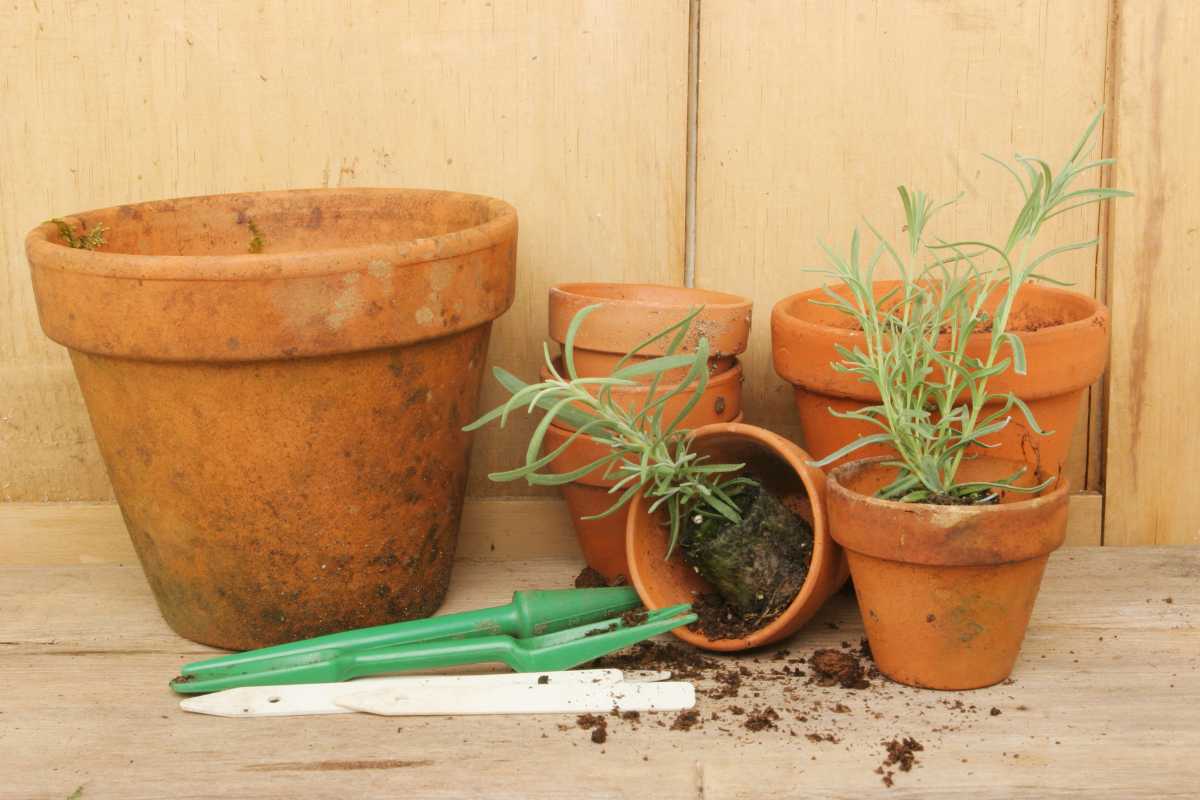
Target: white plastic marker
pixel 321 698
pixel 548 698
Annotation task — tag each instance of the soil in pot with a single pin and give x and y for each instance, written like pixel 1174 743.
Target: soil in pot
pixel 806 554
pixel 756 567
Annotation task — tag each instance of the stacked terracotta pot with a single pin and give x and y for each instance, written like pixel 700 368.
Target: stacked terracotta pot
pixel 632 313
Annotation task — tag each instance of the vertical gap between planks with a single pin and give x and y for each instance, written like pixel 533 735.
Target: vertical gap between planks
pixel 1098 397
pixel 693 118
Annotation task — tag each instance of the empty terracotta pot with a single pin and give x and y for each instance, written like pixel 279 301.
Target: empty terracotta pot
pixel 283 428
pixel 945 592
pixel 603 540
pixel 633 312
pixel 783 469
pixel 1066 345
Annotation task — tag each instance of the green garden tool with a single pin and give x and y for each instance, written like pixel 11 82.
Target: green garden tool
pixel 538 631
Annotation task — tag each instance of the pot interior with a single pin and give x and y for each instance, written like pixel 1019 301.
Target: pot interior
pixel 869 476
pixel 1036 307
pixel 291 221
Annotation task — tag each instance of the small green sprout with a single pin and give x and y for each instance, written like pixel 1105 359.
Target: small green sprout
pixel 85 239
pixel 256 237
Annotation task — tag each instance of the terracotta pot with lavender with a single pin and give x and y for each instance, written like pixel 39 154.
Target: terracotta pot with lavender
pixel 1057 342
pixel 278 383
pixel 947 541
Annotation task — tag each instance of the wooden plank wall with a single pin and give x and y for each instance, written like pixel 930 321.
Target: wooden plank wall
pixel 1154 283
pixel 572 110
pixel 809 114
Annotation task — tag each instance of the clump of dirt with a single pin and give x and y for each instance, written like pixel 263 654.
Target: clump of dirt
pixel 761 719
pixel 686 720
pixel 832 667
pixel 634 617
pixel 756 566
pixel 590 579
pixel 901 753
pixel 595 723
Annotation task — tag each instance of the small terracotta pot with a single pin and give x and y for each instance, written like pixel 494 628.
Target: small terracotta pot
pixel 1065 356
pixel 945 591
pixel 633 312
pixel 603 540
pixel 783 469
pixel 283 429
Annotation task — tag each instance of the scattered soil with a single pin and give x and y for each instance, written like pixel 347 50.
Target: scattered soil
pixel 718 619
pixel 837 667
pixel 686 720
pixel 634 617
pixel 595 723
pixel 590 579
pixel 543 679
pixel 761 720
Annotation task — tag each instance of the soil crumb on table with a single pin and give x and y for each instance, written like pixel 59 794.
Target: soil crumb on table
pixel 832 667
pixel 686 720
pixel 597 724
pixel 901 753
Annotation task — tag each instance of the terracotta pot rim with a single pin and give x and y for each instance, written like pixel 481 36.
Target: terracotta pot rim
pixel 787 325
pixel 941 523
pixel 731 375
pixel 601 292
pixel 810 477
pixel 500 225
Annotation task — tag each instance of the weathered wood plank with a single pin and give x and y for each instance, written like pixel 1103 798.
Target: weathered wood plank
pixel 51 534
pixel 574 111
pixel 1105 702
pixel 1154 380
pixel 811 113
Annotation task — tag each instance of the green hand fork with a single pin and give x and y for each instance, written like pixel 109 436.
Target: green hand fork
pixel 537 631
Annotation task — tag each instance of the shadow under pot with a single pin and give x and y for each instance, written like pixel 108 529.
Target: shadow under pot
pixel 633 312
pixel 1065 335
pixel 278 383
pixel 603 540
pixel 946 592
pixel 782 470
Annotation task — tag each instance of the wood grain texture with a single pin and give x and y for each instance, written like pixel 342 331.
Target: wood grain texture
pixel 1105 703
pixel 572 110
pixel 812 113
pixel 67 534
pixel 1154 378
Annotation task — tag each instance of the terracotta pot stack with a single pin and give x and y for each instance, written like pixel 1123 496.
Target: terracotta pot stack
pixel 631 314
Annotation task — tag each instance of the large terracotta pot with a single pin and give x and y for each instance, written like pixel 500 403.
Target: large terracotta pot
pixel 633 312
pixel 1066 350
pixel 783 469
pixel 603 540
pixel 283 429
pixel 945 592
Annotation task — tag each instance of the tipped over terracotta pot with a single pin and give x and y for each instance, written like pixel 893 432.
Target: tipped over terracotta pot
pixel 633 312
pixel 1065 335
pixel 278 383
pixel 783 469
pixel 945 592
pixel 603 540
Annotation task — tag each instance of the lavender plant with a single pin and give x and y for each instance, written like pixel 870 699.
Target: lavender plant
pixel 934 396
pixel 646 451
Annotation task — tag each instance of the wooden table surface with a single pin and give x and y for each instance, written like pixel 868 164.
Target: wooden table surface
pixel 1104 702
